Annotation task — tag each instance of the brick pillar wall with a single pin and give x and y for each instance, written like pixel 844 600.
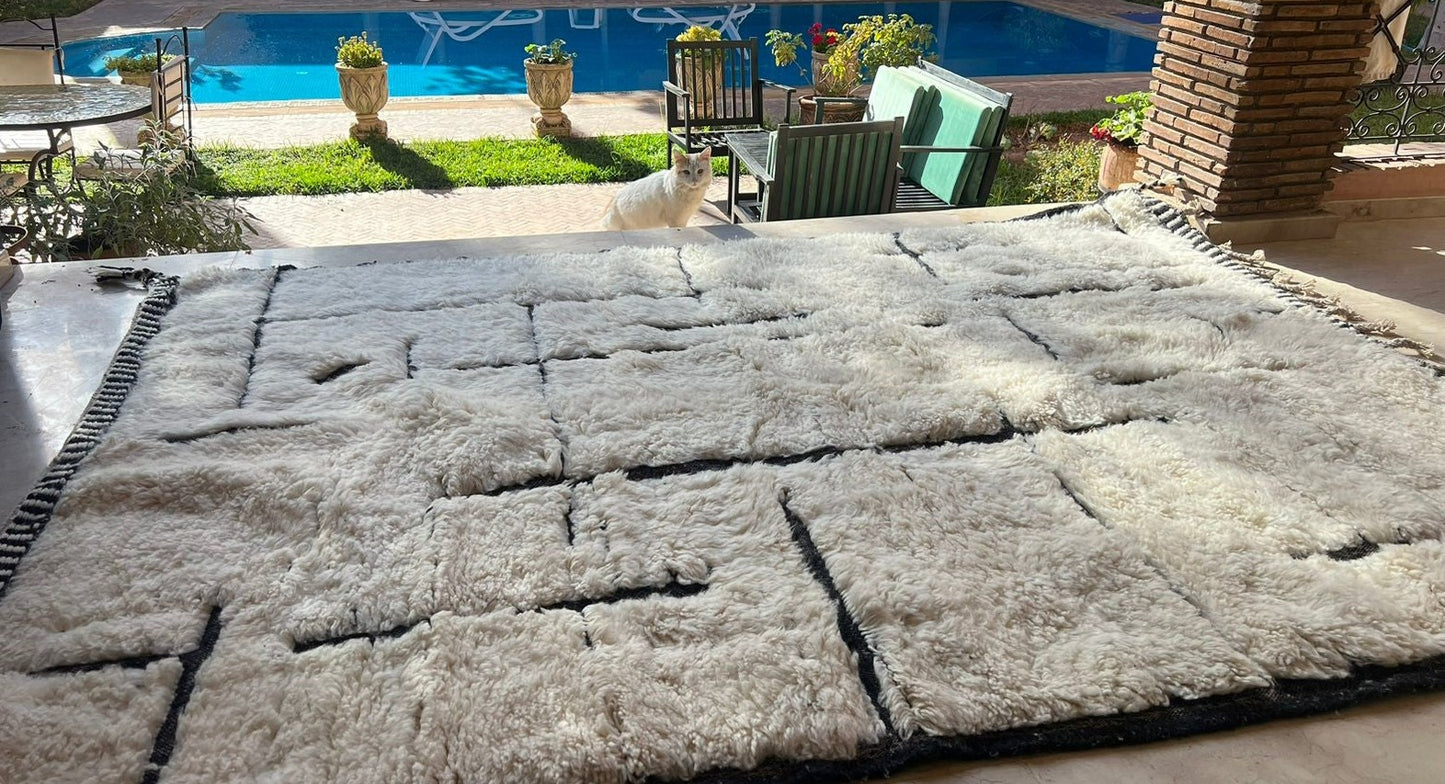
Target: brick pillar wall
pixel 1249 98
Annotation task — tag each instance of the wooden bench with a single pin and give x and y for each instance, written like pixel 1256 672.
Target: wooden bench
pixel 952 134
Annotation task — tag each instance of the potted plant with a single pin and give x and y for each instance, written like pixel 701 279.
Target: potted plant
pixel 152 207
pixel 364 90
pixel 549 85
pixel 1121 133
pixel 841 61
pixel 700 73
pixel 136 68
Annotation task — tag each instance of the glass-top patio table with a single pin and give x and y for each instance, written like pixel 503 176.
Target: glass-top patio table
pixel 57 108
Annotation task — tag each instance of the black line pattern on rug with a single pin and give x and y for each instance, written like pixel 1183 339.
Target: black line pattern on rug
pixel 582 354
pixel 687 276
pixel 1006 431
pixel 197 435
pixel 557 429
pixel 371 637
pixel 848 627
pixel 128 663
pixel 522 302
pixel 567 516
pixel 913 254
pixel 1152 287
pixel 34 513
pixel 671 589
pixel 259 324
pixel 1134 382
pixel 332 374
pixel 1092 514
pixel 406 357
pixel 714 324
pixel 1033 338
pixel 191 661
pixel 1362 547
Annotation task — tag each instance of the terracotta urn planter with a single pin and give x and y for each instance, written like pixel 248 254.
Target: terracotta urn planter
pixel 364 91
pixel 825 83
pixel 1117 165
pixel 702 76
pixel 832 113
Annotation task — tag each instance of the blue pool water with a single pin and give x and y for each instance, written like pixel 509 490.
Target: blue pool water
pixel 273 57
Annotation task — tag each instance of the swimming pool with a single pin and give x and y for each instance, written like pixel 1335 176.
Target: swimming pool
pixel 275 57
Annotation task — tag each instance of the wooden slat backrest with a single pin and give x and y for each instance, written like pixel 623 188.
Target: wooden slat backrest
pixel 169 89
pixel 822 171
pixel 722 77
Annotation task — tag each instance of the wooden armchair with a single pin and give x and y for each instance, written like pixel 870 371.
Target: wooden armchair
pixel 953 134
pixel 824 171
pixel 713 88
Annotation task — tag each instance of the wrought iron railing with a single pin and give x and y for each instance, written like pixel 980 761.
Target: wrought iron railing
pixel 1407 105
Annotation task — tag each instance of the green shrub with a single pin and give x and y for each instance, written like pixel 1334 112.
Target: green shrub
pixel 549 54
pixel 700 33
pixel 358 52
pixel 138 63
pixel 1126 125
pixel 1067 171
pixel 11 10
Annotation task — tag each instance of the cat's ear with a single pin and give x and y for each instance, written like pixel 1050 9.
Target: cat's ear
pixel 706 155
pixel 679 158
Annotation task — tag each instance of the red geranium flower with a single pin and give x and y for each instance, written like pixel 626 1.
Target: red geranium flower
pixel 823 41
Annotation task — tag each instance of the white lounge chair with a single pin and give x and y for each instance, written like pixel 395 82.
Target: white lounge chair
pixel 463 30
pixel 725 18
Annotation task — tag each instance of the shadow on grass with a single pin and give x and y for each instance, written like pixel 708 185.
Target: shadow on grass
pixel 609 156
pixel 407 164
pixel 206 180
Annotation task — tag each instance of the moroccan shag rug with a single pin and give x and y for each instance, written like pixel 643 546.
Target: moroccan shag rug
pixel 757 510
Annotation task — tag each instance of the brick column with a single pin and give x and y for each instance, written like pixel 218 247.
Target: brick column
pixel 1249 98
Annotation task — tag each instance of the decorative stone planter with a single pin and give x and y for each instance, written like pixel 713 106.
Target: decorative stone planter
pixel 1117 165
pixel 137 78
pixel 549 85
pixel 364 91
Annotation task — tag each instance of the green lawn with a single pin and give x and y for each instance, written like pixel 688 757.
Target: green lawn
pixel 352 167
pixel 1039 170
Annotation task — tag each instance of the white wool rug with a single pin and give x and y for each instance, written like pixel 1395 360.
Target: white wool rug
pixel 757 510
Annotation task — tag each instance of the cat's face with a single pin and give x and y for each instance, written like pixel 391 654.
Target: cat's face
pixel 695 170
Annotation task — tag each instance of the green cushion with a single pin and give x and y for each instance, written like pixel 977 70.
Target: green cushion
pixel 901 92
pixel 962 119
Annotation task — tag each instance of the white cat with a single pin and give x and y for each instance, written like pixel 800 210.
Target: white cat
pixel 665 198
